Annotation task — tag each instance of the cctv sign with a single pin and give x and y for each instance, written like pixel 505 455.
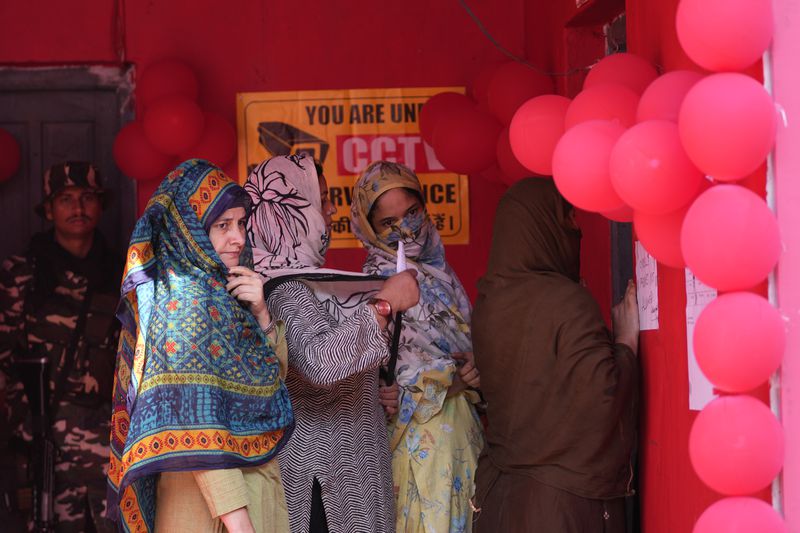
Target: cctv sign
pixel 346 131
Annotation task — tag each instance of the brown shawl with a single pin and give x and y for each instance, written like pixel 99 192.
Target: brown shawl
pixel 561 395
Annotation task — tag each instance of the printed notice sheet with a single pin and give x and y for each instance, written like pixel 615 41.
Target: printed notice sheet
pixel 698 296
pixel 646 288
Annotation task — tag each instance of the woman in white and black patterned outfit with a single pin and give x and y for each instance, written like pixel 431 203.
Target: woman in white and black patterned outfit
pixel 336 467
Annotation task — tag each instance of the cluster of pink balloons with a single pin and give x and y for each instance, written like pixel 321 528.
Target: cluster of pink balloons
pixel 470 134
pixel 173 128
pixel 665 151
pixel 636 146
pixel 730 239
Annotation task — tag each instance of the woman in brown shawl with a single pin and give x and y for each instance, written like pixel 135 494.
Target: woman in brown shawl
pixel 561 389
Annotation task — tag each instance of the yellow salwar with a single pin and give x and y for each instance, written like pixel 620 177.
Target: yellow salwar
pixel 433 465
pixel 193 501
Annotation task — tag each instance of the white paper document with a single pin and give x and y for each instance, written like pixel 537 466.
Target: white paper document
pixel 401 257
pixel 698 296
pixel 646 288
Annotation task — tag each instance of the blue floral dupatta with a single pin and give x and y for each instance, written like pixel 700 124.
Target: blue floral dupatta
pixel 197 383
pixel 435 328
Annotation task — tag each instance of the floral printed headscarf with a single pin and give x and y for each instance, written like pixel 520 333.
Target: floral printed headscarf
pixel 439 325
pixel 418 233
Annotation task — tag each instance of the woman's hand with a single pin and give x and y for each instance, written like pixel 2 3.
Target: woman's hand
pixel 401 290
pixel 625 317
pixel 389 398
pixel 237 521
pixel 467 371
pixel 246 286
pixel 457 386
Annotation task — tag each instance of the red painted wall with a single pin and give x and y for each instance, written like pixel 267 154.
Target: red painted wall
pixel 308 44
pixel 282 45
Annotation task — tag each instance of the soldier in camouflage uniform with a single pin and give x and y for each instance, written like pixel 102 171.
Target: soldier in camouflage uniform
pixel 58 300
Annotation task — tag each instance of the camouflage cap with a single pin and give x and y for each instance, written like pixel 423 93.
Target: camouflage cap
pixel 69 174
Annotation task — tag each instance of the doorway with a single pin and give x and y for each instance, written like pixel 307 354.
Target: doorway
pixel 61 114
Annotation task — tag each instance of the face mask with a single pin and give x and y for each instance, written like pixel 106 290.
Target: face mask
pixel 412 230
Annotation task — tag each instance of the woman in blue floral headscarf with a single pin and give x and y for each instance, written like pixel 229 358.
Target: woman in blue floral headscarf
pixel 199 406
pixel 436 437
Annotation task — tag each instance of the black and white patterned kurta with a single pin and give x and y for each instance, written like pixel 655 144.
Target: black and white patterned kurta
pixel 340 437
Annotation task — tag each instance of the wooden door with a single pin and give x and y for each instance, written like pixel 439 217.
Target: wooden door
pixel 59 115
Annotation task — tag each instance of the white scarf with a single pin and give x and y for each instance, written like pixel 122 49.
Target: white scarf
pixel 286 227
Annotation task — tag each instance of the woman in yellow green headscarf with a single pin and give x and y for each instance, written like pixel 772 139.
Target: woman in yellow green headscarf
pixel 436 436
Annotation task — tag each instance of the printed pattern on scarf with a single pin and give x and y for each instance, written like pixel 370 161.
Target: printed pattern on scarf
pixel 286 226
pixel 197 384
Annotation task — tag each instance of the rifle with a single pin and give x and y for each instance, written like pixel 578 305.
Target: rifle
pixel 35 374
pixel 34 370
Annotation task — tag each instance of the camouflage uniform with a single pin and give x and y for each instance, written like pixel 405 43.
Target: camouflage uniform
pixel 42 295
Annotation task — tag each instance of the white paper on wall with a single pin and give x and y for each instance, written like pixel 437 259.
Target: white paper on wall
pixel 698 296
pixel 646 288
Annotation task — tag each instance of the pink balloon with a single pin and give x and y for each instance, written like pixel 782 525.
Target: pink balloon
pixel 9 155
pixel 663 98
pixel 630 70
pixel 727 124
pixel 661 236
pixel 466 142
pixel 721 35
pixel 736 445
pixel 512 85
pixel 730 238
pixel 438 106
pixel 623 214
pixel 651 171
pixel 513 171
pixel 167 77
pixel 608 101
pixel 740 515
pixel 217 144
pixel 535 130
pixel 739 341
pixel 580 166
